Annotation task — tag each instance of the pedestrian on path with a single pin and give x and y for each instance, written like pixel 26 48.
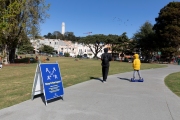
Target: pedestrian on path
pixel 105 58
pixel 136 66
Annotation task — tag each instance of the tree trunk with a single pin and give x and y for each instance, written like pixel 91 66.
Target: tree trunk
pixel 12 55
pixel 95 55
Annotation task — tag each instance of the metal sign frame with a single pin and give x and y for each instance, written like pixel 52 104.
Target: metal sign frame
pixel 48 82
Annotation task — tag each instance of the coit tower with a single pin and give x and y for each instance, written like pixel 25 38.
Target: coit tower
pixel 63 28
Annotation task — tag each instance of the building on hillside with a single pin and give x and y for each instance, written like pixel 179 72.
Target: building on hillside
pixel 64 46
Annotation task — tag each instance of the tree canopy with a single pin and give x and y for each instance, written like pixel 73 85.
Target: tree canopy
pixel 118 43
pixel 98 41
pixel 54 35
pixel 146 39
pixel 26 49
pixel 46 49
pixel 94 41
pixel 167 28
pixel 20 18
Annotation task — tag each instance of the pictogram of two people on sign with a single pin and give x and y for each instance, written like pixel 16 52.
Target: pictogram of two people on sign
pixel 51 74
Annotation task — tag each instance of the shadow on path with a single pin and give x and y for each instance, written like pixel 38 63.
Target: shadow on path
pixel 95 78
pixel 49 101
pixel 124 79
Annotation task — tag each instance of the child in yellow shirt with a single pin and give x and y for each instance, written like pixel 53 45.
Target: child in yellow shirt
pixel 136 66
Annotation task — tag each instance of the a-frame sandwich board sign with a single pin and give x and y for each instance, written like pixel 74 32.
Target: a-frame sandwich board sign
pixel 48 80
pixel 37 85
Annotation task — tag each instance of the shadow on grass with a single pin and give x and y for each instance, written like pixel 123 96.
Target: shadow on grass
pixel 95 78
pixel 125 79
pixel 49 101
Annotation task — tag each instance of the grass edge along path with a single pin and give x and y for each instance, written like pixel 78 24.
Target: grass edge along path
pixel 172 81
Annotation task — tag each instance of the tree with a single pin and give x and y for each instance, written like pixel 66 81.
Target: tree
pixel 25 46
pixel 118 43
pixel 113 41
pixel 58 35
pixel 46 49
pixel 131 47
pixel 94 42
pixel 50 36
pixel 146 39
pixel 26 49
pixel 123 45
pixel 69 36
pixel 20 17
pixel 167 28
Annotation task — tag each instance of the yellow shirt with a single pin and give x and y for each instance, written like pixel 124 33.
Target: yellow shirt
pixel 136 62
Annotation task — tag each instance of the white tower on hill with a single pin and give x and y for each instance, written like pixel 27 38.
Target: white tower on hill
pixel 63 28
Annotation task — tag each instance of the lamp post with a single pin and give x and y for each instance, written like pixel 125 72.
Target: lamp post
pixel 140 53
pixel 58 47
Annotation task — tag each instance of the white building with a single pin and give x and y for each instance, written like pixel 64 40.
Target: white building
pixel 62 47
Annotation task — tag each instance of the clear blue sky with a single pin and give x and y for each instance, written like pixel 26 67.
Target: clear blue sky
pixel 101 16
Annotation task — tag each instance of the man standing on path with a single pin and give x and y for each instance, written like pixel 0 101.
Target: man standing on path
pixel 105 58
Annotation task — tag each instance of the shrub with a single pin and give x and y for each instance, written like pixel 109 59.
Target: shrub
pixel 26 60
pixel 66 54
pixel 125 60
pixel 79 56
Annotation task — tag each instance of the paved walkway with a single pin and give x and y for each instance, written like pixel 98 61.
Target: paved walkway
pixel 118 99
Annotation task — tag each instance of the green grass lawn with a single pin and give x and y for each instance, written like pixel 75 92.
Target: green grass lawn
pixel 16 81
pixel 173 83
